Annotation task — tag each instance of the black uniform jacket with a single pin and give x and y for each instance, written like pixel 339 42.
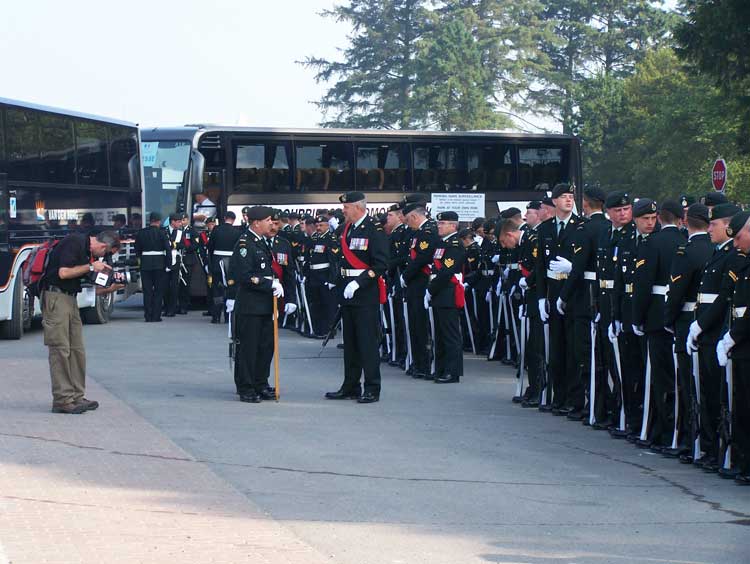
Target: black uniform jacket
pixel 528 254
pixel 685 278
pixel 282 252
pixel 740 328
pixel 223 238
pixel 624 256
pixel 652 268
pixel 152 240
pixel 252 274
pixel 549 246
pixel 368 243
pixel 716 279
pixel 421 250
pixel 447 262
pixel 579 292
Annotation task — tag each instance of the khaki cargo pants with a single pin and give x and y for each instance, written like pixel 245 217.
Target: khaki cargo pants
pixel 63 335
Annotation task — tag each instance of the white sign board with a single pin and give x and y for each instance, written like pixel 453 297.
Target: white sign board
pixel 312 209
pixel 467 206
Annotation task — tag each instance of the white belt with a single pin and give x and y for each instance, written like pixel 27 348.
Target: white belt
pixel 659 290
pixel 269 277
pixel 707 298
pixel 589 275
pixel 154 253
pixel 488 272
pixel 223 253
pixel 557 275
pixel 352 271
pixel 606 284
pixel 320 266
pixel 689 306
pixel 739 311
pixel 432 277
pixel 513 266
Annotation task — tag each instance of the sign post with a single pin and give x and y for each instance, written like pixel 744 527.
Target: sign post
pixel 719 175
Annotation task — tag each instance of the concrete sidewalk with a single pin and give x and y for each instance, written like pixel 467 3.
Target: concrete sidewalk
pixel 107 486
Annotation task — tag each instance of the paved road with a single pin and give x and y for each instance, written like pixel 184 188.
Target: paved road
pixel 439 474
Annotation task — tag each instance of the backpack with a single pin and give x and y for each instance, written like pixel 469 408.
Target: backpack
pixel 34 268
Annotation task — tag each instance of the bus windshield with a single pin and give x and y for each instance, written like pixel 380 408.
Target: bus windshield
pixel 165 165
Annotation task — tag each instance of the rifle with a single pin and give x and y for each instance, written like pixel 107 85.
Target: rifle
pixel 725 423
pixel 332 329
pixel 234 341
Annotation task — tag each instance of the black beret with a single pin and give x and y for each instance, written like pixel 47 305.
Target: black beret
pixel 381 218
pixel 184 216
pixel 447 216
pixel 210 220
pixel 714 199
pixel 321 219
pixel 230 215
pixel 351 197
pixel 722 211
pixel 562 188
pixel 686 201
pixel 488 226
pixel 699 211
pixel 671 206
pixel 175 217
pixel 413 198
pixel 617 199
pixel 256 213
pixel 548 202
pixel 595 193
pixel 309 220
pixel 293 215
pixel 154 216
pixel 510 212
pixel 535 205
pixel 245 210
pixel 284 214
pixel 394 207
pixel 275 214
pixel 411 206
pixel 465 232
pixel 644 206
pixel 738 222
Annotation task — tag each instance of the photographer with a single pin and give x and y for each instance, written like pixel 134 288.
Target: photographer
pixel 71 261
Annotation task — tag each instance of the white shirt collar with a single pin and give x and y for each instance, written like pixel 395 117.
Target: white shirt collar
pixel 667 226
pixel 359 221
pixel 254 233
pixel 697 233
pixel 724 244
pixel 449 236
pixel 421 224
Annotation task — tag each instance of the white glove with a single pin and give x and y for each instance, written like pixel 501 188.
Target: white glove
pixel 495 259
pixel 351 287
pixel 499 288
pixel 506 272
pixel 723 348
pixel 302 279
pixel 333 223
pixel 278 289
pixel 560 305
pixel 289 309
pixel 330 286
pixel 561 265
pixel 598 318
pixel 427 299
pixel 692 339
pixel 167 269
pixel 488 297
pixel 466 285
pixel 230 306
pixel 523 284
pixel 205 268
pixel 638 330
pixel 402 281
pixel 543 310
pixel 612 333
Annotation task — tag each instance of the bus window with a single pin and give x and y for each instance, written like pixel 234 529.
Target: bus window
pixel 490 167
pixel 122 148
pixel 262 167
pixel 57 148
pixel 382 166
pixel 91 144
pixel 439 167
pixel 22 139
pixel 541 165
pixel 324 166
pixel 165 165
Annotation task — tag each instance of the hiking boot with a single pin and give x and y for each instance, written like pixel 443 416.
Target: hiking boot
pixel 69 408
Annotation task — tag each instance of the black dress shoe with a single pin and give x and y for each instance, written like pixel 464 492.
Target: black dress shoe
pixel 728 473
pixel 182 312
pixel 710 465
pixel 340 346
pixel 367 397
pixel 633 437
pixel 670 452
pixel 393 363
pixel 616 433
pixel 576 415
pixel 686 458
pixel 206 314
pixel 742 479
pixel 266 395
pixel 645 443
pixel 215 321
pixel 545 408
pixel 249 398
pixel 517 399
pixel 447 380
pixel 169 315
pixel 657 449
pixel 341 395
pixel 602 426
pixel 530 403
pixel 419 375
pixel 429 376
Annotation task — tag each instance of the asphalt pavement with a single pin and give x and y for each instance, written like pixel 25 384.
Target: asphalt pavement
pixel 432 473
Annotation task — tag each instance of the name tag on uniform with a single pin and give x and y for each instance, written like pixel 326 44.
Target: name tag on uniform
pixel 319 249
pixel 359 244
pixel 439 253
pixel 282 258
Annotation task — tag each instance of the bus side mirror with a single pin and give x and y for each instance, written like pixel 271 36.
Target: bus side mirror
pixel 197 166
pixel 134 174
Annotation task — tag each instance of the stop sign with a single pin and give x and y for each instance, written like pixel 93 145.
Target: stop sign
pixel 719 175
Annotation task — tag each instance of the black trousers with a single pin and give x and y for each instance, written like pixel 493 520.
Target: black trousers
pixel 153 283
pixel 322 303
pixel 396 303
pixel 562 363
pixel 606 402
pixel 741 416
pixel 534 354
pixel 687 401
pixel 361 341
pixel 711 380
pixel 171 293
pixel 419 331
pixel 578 383
pixel 662 386
pixel 255 352
pixel 633 358
pixel 449 354
pixel 184 288
pixel 483 332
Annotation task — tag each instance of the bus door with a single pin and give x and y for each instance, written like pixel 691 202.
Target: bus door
pixel 214 170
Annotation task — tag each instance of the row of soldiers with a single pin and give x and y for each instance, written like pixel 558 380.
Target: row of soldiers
pixel 633 319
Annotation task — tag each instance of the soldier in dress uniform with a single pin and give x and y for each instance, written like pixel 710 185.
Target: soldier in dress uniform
pixel 398 235
pixel 284 267
pixel 174 264
pixel 483 286
pixel 652 271
pixel 321 262
pixel 415 279
pixel 364 260
pixel 556 242
pixel 252 271
pixel 445 294
pixel 473 254
pixel 220 248
pixel 714 296
pixel 579 295
pixel 191 242
pixel 152 249
pixel 679 312
pixel 736 344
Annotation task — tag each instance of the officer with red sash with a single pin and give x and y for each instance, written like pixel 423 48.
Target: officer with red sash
pixel 445 293
pixel 364 260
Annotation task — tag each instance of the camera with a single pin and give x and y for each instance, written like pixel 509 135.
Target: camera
pixel 106 279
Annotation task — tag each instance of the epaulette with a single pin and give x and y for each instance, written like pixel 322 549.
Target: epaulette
pixel 681 250
pixel 455 242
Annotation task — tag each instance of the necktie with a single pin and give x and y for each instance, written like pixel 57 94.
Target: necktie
pixel 560 225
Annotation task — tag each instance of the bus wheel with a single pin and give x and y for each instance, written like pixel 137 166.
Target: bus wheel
pixel 100 313
pixel 13 327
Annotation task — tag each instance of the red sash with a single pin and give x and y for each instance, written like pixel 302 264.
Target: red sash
pixel 426 268
pixel 276 267
pixel 459 293
pixel 352 259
